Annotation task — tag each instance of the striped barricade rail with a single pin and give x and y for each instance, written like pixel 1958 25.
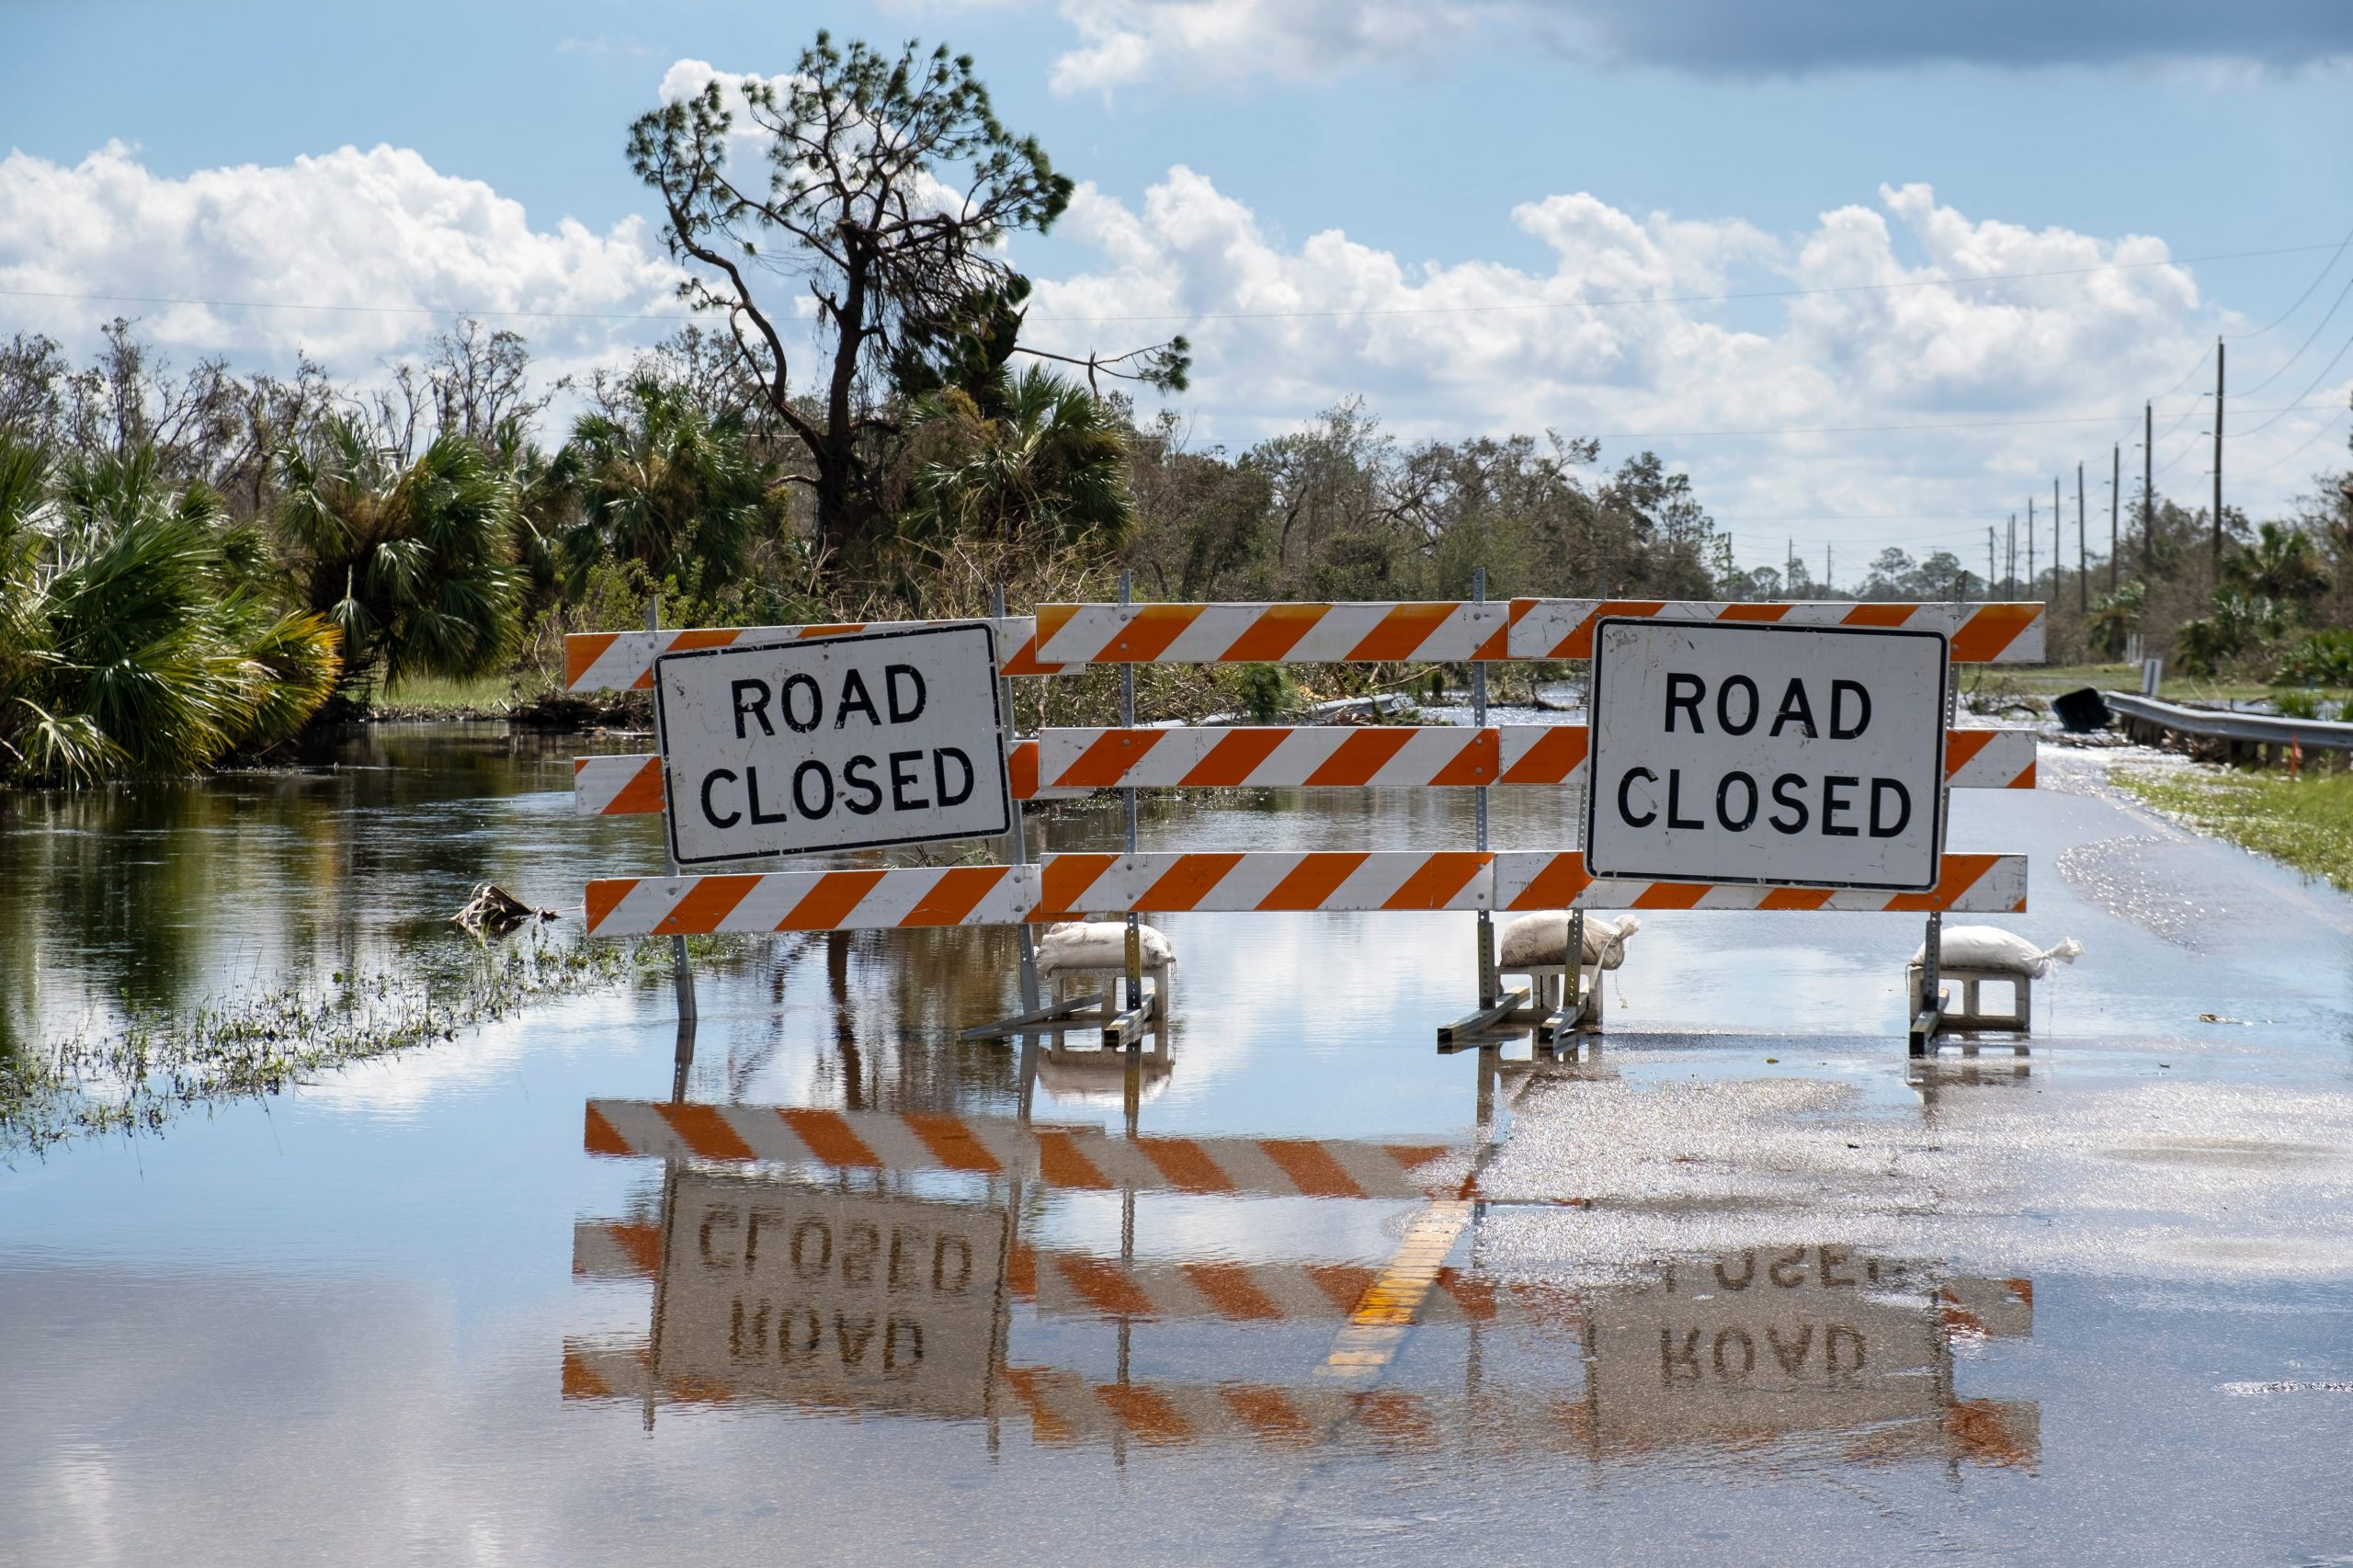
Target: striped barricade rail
pixel 1454 631
pixel 1080 1157
pixel 1061 638
pixel 1064 763
pixel 1972 884
pixel 1068 886
pixel 623 661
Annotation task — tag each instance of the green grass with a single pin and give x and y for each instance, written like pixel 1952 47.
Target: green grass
pixel 432 696
pixel 2306 822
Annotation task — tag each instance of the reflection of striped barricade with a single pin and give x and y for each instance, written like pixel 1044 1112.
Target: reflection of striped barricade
pixel 1080 1157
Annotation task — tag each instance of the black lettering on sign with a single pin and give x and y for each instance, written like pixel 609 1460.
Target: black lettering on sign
pixel 1839 691
pixel 1679 1366
pixel 1880 791
pixel 1625 810
pixel 798 1338
pixel 1792 1357
pixel 1788 1270
pixel 892 1279
pixel 865 796
pixel 905 709
pixel 711 1258
pixel 752 1235
pixel 1826 1260
pixel 1832 805
pixel 1747 1273
pixel 852 1337
pixel 855 697
pixel 795 685
pixel 1724 1367
pixel 939 761
pixel 940 1270
pixel 800 789
pixel 1724 816
pixel 812 1263
pixel 711 812
pixel 1782 796
pixel 903 773
pixel 1854 1342
pixel 751 1345
pixel 1685 691
pixel 861 1244
pixel 1674 817
pixel 752 793
pixel 757 708
pixel 1794 709
pixel 901 1347
pixel 1723 705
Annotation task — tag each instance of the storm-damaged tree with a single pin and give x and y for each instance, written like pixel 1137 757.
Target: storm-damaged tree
pixel 888 186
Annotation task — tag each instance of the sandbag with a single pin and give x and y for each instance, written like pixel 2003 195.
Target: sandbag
pixel 1543 938
pixel 1990 947
pixel 1099 944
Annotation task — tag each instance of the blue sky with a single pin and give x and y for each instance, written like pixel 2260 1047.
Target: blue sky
pixel 1256 169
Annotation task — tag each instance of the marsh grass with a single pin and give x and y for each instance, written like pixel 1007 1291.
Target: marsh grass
pixel 162 1062
pixel 2305 821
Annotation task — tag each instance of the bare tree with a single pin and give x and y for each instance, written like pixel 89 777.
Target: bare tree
pixel 859 148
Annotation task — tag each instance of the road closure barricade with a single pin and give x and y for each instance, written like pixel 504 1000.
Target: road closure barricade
pixel 1718 770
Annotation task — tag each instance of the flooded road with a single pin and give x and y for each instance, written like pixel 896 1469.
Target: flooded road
pixel 1736 1282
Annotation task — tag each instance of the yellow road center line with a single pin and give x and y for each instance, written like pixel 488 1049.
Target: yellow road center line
pixel 1377 1325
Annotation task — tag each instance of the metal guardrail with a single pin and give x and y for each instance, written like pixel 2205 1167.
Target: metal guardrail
pixel 2257 729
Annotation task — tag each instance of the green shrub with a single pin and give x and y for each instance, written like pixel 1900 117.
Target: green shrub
pixel 2324 658
pixel 1268 692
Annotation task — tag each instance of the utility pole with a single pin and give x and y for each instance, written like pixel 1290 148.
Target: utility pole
pixel 2115 507
pixel 2010 561
pixel 2218 459
pixel 2148 489
pixel 1829 567
pixel 2083 569
pixel 1991 591
pixel 2029 548
pixel 2058 570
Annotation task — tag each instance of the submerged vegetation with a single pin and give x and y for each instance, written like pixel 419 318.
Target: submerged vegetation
pixel 160 1062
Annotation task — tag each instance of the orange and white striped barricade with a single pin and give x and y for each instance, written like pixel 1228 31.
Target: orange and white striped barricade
pixel 1062 763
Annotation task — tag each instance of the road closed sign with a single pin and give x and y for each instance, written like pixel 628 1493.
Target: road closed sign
pixel 1742 752
pixel 833 743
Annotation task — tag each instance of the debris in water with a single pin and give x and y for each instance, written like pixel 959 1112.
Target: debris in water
pixel 494 911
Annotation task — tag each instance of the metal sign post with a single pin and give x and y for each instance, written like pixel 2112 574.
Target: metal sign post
pixel 682 974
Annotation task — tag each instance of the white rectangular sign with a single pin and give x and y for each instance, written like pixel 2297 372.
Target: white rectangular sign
pixel 1802 755
pixel 833 743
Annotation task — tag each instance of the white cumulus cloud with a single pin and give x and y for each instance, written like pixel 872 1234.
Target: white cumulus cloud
pixel 1864 321
pixel 352 256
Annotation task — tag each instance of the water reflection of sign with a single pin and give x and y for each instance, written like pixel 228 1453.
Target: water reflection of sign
pixel 1763 1343
pixel 791 1292
pixel 1802 755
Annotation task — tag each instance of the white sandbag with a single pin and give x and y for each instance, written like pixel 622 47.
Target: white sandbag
pixel 1543 938
pixel 1099 944
pixel 1990 947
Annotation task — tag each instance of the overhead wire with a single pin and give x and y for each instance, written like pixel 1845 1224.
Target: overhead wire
pixel 2326 267
pixel 2327 427
pixel 2307 343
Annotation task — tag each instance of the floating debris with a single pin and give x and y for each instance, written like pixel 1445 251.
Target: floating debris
pixel 493 911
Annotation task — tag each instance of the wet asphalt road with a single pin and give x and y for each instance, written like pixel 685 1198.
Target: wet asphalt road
pixel 1739 1283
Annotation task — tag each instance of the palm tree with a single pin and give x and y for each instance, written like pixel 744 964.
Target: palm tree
pixel 1048 466
pixel 131 641
pixel 2282 564
pixel 413 561
pixel 666 484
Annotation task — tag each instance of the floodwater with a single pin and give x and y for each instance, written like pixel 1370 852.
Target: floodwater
pixel 1735 1283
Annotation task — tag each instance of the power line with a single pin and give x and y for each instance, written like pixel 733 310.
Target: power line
pixel 2326 427
pixel 1629 300
pixel 2280 413
pixel 2326 267
pixel 1875 429
pixel 2307 343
